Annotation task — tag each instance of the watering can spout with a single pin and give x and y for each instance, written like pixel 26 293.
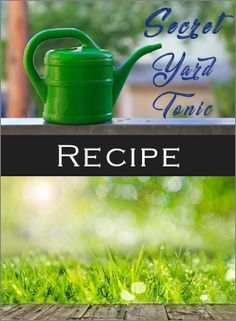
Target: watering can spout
pixel 121 73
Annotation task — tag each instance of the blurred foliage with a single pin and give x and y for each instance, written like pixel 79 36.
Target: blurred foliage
pixel 210 10
pixel 105 22
pixel 225 97
pixel 82 214
pixel 3 40
pixel 3 64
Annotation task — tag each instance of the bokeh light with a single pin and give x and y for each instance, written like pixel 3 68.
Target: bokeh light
pixel 43 194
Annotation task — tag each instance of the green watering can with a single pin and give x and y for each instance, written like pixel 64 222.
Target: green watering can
pixel 81 84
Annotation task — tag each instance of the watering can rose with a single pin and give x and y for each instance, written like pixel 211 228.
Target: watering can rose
pixel 81 85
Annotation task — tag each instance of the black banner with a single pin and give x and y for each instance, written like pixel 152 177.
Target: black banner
pixel 118 155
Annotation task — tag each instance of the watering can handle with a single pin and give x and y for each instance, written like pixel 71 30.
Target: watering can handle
pixel 38 82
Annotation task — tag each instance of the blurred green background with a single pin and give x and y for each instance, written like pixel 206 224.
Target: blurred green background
pixel 83 214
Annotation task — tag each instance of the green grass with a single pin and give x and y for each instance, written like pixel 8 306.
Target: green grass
pixel 166 277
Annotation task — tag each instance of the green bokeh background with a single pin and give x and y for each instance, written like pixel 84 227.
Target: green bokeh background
pixel 84 214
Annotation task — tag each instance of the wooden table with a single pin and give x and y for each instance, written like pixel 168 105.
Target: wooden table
pixel 117 312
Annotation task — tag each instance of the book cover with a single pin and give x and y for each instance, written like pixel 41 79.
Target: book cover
pixel 118 160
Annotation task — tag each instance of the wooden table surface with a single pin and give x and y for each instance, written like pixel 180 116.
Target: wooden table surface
pixel 117 312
